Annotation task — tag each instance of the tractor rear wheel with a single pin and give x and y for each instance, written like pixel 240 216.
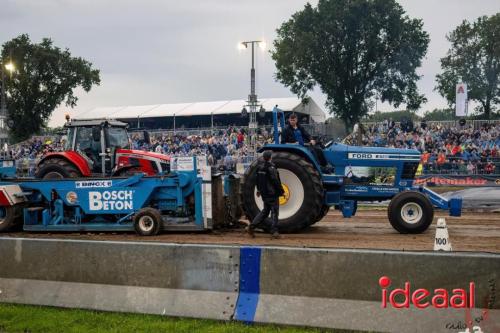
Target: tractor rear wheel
pixel 303 199
pixel 324 210
pixel 57 168
pixel 410 212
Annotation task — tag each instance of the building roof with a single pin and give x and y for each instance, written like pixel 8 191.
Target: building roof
pixel 202 108
pixel 94 122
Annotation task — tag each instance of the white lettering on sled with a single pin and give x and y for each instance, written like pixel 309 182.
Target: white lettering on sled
pixel 111 200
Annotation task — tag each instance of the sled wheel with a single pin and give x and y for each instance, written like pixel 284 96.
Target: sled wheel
pixel 147 222
pixel 9 216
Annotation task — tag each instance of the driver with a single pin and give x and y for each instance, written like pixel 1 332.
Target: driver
pixel 296 134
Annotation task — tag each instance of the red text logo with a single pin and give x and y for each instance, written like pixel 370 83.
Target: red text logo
pixel 421 298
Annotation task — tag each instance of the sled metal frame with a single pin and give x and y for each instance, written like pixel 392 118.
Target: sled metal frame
pixel 109 204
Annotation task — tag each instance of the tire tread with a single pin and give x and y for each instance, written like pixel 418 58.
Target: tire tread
pixel 312 214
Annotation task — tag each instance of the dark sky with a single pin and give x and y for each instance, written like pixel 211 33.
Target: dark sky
pixel 153 51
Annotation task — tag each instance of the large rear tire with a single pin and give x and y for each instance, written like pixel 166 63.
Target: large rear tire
pixel 304 195
pixel 410 212
pixel 324 210
pixel 57 168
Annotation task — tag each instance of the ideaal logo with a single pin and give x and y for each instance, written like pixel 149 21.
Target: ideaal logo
pixel 111 200
pixel 422 298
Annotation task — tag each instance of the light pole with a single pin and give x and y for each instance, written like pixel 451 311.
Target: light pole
pixel 252 101
pixel 3 105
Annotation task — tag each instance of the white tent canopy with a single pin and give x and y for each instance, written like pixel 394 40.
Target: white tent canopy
pixel 201 108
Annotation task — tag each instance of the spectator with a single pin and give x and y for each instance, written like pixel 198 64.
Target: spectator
pixel 489 168
pixel 471 169
pixel 442 147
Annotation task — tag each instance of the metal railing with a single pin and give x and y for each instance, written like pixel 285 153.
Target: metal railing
pixel 458 166
pixel 476 124
pixel 317 129
pixel 26 167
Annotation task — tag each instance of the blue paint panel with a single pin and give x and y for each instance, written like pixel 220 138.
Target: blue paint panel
pixel 225 180
pixel 248 297
pixel 455 206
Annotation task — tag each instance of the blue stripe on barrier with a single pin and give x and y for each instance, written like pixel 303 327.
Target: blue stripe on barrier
pixel 248 296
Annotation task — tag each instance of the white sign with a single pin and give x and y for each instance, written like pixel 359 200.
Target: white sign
pixel 185 164
pixel 201 161
pixel 93 183
pixel 371 156
pixel 206 173
pixel 461 100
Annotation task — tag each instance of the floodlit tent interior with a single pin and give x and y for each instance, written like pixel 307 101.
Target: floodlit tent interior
pixel 203 114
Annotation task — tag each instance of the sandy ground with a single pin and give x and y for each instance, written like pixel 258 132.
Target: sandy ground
pixel 369 229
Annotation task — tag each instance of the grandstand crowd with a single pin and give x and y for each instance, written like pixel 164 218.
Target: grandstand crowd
pixel 445 149
pixel 223 148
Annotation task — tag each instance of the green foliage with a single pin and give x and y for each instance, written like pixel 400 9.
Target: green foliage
pixel 36 319
pixel 54 130
pixel 474 58
pixel 45 77
pixel 440 114
pixel 354 50
pixel 394 115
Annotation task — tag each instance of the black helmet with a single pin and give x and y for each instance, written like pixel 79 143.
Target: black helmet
pixel 267 155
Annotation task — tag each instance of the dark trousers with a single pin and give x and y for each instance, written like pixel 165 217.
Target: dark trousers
pixel 318 153
pixel 271 205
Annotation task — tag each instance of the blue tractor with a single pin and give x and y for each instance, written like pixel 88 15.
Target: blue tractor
pixel 358 174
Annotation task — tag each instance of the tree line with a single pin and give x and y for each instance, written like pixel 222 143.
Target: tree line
pixel 356 51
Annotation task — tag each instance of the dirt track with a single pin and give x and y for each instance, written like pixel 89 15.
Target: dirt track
pixel 369 229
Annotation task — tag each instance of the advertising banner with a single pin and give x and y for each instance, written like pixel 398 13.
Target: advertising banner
pixel 461 100
pixel 454 180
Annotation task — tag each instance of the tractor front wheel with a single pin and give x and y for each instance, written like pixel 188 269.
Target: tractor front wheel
pixel 303 198
pixel 410 212
pixel 57 168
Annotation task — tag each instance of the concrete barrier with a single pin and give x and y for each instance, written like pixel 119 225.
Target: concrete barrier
pixel 340 288
pixel 169 279
pixel 331 288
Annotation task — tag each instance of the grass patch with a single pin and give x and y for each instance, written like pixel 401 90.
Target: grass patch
pixel 37 319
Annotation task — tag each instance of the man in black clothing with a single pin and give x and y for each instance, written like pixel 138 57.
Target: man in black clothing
pixel 270 189
pixel 296 134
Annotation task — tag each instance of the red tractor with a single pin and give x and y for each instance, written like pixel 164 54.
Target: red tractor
pixel 99 148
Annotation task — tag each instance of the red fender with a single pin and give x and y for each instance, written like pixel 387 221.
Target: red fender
pixel 143 153
pixel 144 160
pixel 72 157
